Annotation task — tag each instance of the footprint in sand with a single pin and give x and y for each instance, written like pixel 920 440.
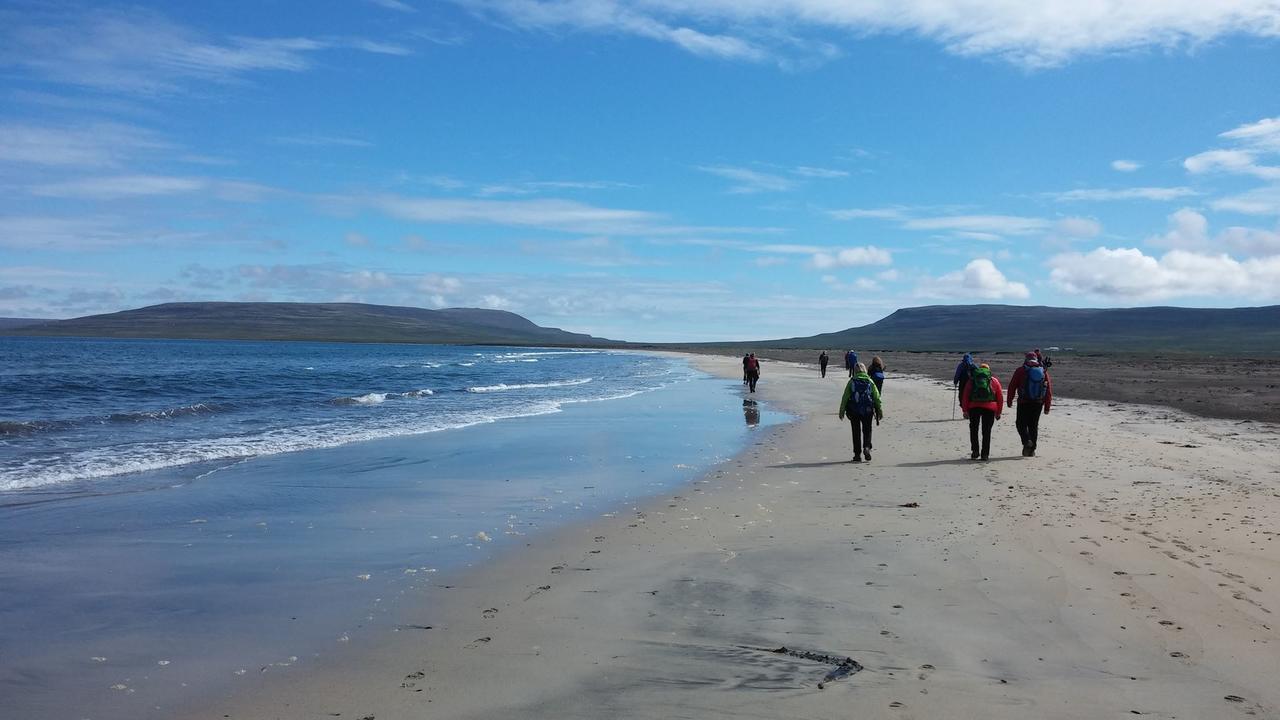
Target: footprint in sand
pixel 489 613
pixel 477 642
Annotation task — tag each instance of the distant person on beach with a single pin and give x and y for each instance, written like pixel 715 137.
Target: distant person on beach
pixel 822 362
pixel 753 371
pixel 861 402
pixel 963 372
pixel 876 371
pixel 981 402
pixel 1030 385
pixel 850 361
pixel 746 374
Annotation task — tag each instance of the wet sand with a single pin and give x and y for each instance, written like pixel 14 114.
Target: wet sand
pixel 1131 568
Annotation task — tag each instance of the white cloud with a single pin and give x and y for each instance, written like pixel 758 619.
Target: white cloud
pixel 355 239
pixel 993 224
pixel 91 145
pixel 1078 227
pixel 885 213
pixel 1264 134
pixel 1129 274
pixel 1033 34
pixel 852 257
pixel 121 186
pixel 1259 201
pixel 749 181
pixel 55 233
pixel 1241 162
pixel 817 172
pixel 550 214
pixel 394 5
pixel 770 261
pixel 495 302
pixel 1134 193
pixel 979 280
pixel 1125 165
pixel 141 51
pixel 323 141
pixel 1189 230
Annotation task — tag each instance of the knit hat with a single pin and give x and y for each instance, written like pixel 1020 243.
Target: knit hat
pixel 1031 356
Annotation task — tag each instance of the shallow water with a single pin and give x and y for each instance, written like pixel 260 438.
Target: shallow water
pixel 132 594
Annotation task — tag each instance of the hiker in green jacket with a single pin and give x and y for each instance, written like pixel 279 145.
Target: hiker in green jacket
pixel 861 402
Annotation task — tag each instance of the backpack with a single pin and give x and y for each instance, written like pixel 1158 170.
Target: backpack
pixel 861 402
pixel 1033 386
pixel 980 386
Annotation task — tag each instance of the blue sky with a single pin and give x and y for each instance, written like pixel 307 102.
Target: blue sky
pixel 663 170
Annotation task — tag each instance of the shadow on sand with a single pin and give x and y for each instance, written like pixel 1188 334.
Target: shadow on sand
pixel 957 461
pixel 797 465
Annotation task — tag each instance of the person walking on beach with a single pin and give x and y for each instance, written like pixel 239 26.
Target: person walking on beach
pixel 981 401
pixel 963 372
pixel 746 375
pixel 861 402
pixel 876 371
pixel 822 363
pixel 850 361
pixel 1030 385
pixel 753 371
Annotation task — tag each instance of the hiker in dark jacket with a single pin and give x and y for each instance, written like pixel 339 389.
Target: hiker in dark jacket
pixel 861 402
pixel 746 375
pixel 1030 385
pixel 963 371
pixel 981 402
pixel 850 361
pixel 822 363
pixel 876 371
pixel 753 371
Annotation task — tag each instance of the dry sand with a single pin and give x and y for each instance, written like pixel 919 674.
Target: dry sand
pixel 1131 568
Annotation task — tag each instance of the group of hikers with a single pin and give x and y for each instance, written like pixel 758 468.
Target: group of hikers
pixel 979 394
pixel 981 399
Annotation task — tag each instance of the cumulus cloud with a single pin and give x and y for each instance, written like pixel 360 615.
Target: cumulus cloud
pixel 1189 230
pixel 1127 274
pixel 852 257
pixel 980 279
pixel 1032 34
pixel 1125 165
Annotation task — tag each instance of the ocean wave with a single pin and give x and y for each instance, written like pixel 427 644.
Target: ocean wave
pixel 166 413
pixel 95 464
pixel 30 427
pixel 502 387
pixel 376 398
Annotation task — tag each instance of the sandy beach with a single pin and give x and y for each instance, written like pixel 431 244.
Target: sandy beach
pixel 1131 568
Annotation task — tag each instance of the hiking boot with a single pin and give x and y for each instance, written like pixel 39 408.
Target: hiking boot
pixel 1027 451
pixel 856 459
pixel 1031 451
pixel 984 458
pixel 973 455
pixel 867 455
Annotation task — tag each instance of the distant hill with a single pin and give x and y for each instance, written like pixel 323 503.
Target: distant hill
pixel 336 322
pixel 1233 331
pixel 8 322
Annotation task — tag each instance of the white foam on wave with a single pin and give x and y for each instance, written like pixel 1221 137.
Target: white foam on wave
pixel 502 387
pixel 377 398
pixel 144 457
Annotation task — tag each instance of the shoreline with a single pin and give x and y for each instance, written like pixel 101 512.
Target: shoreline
pixel 1126 579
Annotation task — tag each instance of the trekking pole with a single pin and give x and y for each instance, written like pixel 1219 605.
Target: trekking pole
pixel 954 395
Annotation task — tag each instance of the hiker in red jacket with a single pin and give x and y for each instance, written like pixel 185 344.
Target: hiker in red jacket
pixel 1030 385
pixel 981 400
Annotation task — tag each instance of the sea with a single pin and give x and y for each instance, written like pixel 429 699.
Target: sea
pixel 175 515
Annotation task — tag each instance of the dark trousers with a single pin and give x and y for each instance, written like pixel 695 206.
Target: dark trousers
pixel 752 379
pixel 1028 422
pixel 987 418
pixel 824 369
pixel 861 439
